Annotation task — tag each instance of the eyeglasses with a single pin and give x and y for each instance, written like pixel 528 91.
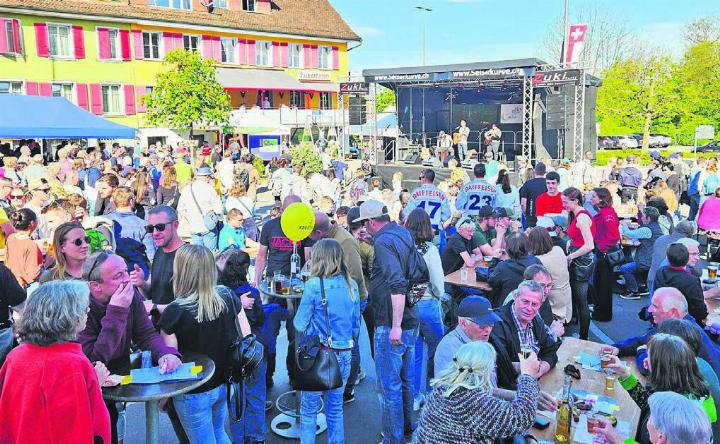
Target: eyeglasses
pixel 159 227
pixel 79 241
pixel 101 258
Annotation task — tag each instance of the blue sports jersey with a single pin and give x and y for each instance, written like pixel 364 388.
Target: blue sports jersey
pixel 434 201
pixel 475 195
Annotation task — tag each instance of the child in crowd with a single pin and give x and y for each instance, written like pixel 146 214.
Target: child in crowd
pixel 233 232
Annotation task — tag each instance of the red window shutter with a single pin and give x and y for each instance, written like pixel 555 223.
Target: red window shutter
pixel 125 44
pixel 276 54
pixel 217 50
pixel 17 37
pixel 3 42
pixel 31 88
pixel 96 98
pixel 242 49
pixel 251 52
pixel 82 96
pixel 335 58
pixel 129 100
pixel 103 43
pixel 46 89
pixel 138 44
pixel 139 92
pixel 41 40
pixel 79 40
pixel 284 55
pixel 307 57
pixel 315 56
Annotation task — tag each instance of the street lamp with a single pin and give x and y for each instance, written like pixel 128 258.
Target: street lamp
pixel 424 32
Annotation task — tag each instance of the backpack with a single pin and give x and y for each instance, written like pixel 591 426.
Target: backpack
pixel 97 241
pixel 244 178
pixel 417 274
pixel 131 250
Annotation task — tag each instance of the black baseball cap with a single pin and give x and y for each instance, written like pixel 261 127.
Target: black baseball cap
pixel 485 212
pixel 478 309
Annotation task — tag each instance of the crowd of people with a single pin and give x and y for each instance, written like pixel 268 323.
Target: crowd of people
pixel 111 251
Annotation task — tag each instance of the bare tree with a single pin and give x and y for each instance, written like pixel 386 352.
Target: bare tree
pixel 609 38
pixel 706 29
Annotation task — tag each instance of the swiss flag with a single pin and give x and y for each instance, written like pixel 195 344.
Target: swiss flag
pixel 576 41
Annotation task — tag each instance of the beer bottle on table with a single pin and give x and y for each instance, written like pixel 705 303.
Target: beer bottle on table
pixel 564 414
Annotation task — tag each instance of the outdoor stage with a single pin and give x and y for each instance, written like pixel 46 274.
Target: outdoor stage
pixel 411 173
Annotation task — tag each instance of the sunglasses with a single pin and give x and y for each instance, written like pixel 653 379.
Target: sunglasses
pixel 15 196
pixel 159 227
pixel 572 371
pixel 79 241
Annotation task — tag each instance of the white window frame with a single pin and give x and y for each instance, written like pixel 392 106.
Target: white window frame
pixel 170 4
pixel 11 81
pixel 328 96
pixel 116 45
pixel 71 40
pixel 121 99
pixel 248 3
pixel 198 41
pixel 159 45
pixel 327 60
pixel 300 55
pixel 263 47
pixel 233 60
pixel 73 90
pixel 223 4
pixel 9 36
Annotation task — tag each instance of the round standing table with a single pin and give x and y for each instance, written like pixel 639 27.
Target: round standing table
pixel 151 394
pixel 287 423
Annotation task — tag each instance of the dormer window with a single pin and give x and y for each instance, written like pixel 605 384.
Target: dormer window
pixel 249 5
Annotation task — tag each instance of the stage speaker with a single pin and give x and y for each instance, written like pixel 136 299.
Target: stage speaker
pixel 412 159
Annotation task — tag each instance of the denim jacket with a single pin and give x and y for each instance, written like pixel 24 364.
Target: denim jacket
pixel 343 311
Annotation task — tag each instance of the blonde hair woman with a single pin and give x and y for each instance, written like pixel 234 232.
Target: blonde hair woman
pixel 330 309
pixel 70 249
pixel 202 320
pixel 462 407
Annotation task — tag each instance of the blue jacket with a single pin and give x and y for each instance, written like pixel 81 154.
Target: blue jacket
pixel 343 310
pixel 708 351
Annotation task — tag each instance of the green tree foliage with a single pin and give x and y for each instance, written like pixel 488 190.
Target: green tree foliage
pixel 306 155
pixel 187 93
pixel 384 99
pixel 638 93
pixel 697 81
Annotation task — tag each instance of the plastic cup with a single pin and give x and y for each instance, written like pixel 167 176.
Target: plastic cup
pixel 712 271
pixel 610 381
pixel 592 422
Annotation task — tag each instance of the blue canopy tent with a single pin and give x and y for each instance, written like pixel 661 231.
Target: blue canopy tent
pixel 27 117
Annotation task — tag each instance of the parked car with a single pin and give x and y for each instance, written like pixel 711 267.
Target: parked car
pixel 627 142
pixel 712 147
pixel 662 141
pixel 607 143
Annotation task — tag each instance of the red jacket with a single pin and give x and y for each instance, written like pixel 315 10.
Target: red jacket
pixel 51 395
pixel 607 229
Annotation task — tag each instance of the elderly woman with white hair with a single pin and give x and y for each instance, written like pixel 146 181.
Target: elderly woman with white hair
pixel 674 419
pixel 49 391
pixel 462 408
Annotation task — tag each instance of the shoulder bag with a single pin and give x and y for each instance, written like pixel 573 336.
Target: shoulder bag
pixel 318 369
pixel 615 255
pixel 210 219
pixel 244 355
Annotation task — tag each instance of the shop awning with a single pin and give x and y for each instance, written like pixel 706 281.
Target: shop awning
pixel 247 78
pixel 54 118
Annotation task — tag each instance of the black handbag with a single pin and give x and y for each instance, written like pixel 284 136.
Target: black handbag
pixel 615 255
pixel 317 368
pixel 244 356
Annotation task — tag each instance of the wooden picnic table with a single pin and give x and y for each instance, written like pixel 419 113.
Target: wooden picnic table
pixel 454 278
pixel 591 381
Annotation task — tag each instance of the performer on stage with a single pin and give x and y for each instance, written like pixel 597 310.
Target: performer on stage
pixel 444 146
pixel 492 140
pixel 464 132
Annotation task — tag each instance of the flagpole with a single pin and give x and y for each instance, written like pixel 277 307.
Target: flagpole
pixel 566 31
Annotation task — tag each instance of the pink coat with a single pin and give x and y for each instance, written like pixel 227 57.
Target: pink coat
pixel 709 215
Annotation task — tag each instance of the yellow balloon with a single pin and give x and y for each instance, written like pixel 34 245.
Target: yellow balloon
pixel 297 221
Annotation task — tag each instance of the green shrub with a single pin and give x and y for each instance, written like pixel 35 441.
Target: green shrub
pixel 306 155
pixel 259 166
pixel 602 156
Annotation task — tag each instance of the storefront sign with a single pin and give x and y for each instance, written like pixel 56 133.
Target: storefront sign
pixel 354 87
pixel 556 78
pixel 313 76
